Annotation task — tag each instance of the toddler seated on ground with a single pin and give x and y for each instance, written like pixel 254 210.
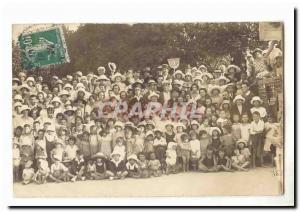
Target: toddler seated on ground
pixel 28 173
pixel 154 166
pixel 239 161
pixel 133 167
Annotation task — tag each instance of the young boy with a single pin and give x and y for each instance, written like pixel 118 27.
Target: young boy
pixel 239 161
pixel 208 162
pixel 16 161
pixel 59 172
pixel 185 149
pixel 171 157
pixel 28 173
pixel 116 167
pixel 257 137
pixel 133 167
pixel 160 146
pixel 143 163
pixel 43 171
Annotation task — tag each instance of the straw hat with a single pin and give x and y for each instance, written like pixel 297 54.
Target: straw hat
pixel 178 72
pixel 194 122
pixel 152 94
pixel 215 87
pixel 18 97
pixel 115 153
pixel 149 133
pixel 213 129
pixel 68 86
pixel 30 79
pixel 101 68
pixel 132 157
pixel 64 92
pixel 256 98
pixel 24 107
pixel 117 75
pixel 99 155
pixel 238 97
pixel 234 67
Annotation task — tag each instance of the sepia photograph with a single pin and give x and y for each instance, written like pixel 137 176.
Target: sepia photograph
pixel 148 109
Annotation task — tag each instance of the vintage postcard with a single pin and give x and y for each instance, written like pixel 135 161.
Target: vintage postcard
pixel 148 110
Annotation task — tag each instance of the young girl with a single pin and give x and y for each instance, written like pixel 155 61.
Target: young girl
pixel 28 173
pixel 133 167
pixel 116 167
pixel 223 161
pixel 27 142
pixel 257 138
pixel 195 150
pixel 245 129
pixel 236 127
pixel 59 172
pixel 242 146
pixel 149 139
pixel 90 169
pixel 154 166
pixel 185 149
pixel 215 138
pixel 171 157
pixel 269 148
pixel 120 148
pixel 256 102
pixel 169 133
pixel 16 161
pixel 57 152
pixel 239 161
pixel 205 140
pixel 105 142
pixel 100 163
pixel 143 163
pixel 95 147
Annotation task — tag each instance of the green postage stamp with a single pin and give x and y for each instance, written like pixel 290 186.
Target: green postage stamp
pixel 43 48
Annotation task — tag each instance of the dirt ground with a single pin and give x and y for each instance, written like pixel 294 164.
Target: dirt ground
pixel 259 181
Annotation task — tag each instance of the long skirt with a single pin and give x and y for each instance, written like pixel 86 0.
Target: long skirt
pixel 257 144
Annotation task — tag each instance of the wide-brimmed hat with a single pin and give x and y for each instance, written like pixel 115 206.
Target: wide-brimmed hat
pixel 24 86
pixel 17 80
pixel 180 124
pixel 119 124
pixel 64 92
pixel 102 77
pixel 194 122
pixel 178 72
pixel 68 85
pixel 18 97
pixel 169 123
pixel 24 107
pixel 56 99
pixel 223 78
pixel 150 132
pixel 256 98
pixel 202 68
pixel 133 157
pixel 79 85
pixel 215 87
pixel 226 101
pixel 213 129
pixel 241 141
pixel 150 122
pixel 117 75
pixel 238 97
pixel 99 155
pixel 115 153
pixel 153 94
pixel 234 67
pixel 30 79
pixel 101 68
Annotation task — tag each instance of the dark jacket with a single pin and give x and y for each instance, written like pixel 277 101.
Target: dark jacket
pixel 114 168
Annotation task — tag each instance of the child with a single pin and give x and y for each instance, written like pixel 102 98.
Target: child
pixel 58 151
pixel 205 140
pixel 245 129
pixel 149 140
pixel 59 172
pixel 236 127
pixel 133 167
pixel 27 142
pixel 227 140
pixel 271 129
pixel 223 161
pixel 257 138
pixel 90 169
pixel 215 138
pixel 120 148
pixel 78 167
pixel 116 167
pixel 40 145
pixel 16 161
pixel 239 161
pixel 242 146
pixel 171 157
pixel 28 173
pixel 208 162
pixel 100 165
pixel 160 146
pixel 85 145
pixel 71 148
pixel 105 142
pixel 143 163
pixel 43 171
pixel 154 166
pixel 94 140
pixel 195 150
pixel 185 149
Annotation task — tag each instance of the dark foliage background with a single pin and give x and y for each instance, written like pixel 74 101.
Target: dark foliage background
pixel 140 45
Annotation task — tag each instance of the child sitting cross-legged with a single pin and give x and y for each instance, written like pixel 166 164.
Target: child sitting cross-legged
pixel 99 167
pixel 154 166
pixel 133 167
pixel 239 161
pixel 28 173
pixel 208 162
pixel 223 161
pixel 59 172
pixel 116 168
pixel 43 171
pixel 143 163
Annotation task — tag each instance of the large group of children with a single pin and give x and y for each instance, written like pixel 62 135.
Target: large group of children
pixel 61 132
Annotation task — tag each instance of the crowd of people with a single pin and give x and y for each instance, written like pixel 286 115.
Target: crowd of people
pixel 113 124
